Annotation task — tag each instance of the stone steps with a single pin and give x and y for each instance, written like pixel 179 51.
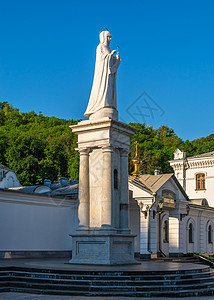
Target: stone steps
pixel 120 286
pixel 132 277
pixel 179 283
pixel 111 282
pixel 173 294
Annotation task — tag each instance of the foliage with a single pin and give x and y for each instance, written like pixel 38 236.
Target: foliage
pixel 38 147
pixel 156 147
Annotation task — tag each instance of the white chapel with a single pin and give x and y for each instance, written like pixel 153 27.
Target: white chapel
pixel 175 211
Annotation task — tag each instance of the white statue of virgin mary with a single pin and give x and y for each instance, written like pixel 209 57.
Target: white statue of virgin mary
pixel 103 98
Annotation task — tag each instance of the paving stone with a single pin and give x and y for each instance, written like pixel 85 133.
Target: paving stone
pixel 25 296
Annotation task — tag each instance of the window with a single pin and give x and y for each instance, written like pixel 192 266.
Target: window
pixel 166 232
pixel 200 181
pixel 210 240
pixel 115 179
pixel 204 202
pixel 190 233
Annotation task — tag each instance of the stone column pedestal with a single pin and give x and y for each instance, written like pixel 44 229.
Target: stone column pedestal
pixel 103 249
pixel 103 235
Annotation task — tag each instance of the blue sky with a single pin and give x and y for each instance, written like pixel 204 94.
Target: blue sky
pixel 47 57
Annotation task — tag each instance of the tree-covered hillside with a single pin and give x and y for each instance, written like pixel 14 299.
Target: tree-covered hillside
pixel 38 147
pixel 156 147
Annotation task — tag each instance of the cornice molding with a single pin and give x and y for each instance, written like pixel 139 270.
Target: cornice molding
pixel 193 165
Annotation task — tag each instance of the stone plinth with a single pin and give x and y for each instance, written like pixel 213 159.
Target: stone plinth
pixel 103 228
pixel 103 249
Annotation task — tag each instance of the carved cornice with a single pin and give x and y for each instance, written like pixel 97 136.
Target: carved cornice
pixel 180 166
pixel 193 165
pixel 201 164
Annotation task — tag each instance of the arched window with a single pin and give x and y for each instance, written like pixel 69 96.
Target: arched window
pixel 115 179
pixel 210 238
pixel 204 202
pixel 191 233
pixel 166 232
pixel 200 181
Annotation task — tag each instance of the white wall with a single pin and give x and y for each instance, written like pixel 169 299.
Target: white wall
pixel 194 166
pixel 200 218
pixel 209 184
pixel 35 222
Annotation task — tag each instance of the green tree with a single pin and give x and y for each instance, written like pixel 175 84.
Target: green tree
pixel 37 147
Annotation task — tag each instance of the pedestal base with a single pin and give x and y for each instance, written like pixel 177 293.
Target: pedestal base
pixel 103 249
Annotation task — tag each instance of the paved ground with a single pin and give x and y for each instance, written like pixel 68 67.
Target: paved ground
pixel 21 296
pixel 62 264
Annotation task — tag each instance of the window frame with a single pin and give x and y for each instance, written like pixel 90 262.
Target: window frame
pixel 200 182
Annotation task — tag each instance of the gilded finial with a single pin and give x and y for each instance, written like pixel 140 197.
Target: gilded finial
pixel 136 162
pixel 136 154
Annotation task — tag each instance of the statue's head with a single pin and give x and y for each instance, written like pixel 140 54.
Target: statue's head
pixel 105 38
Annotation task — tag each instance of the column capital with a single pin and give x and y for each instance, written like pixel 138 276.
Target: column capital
pixel 107 148
pixel 83 151
pixel 124 152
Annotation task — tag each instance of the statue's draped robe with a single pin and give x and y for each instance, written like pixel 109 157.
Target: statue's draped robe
pixel 103 93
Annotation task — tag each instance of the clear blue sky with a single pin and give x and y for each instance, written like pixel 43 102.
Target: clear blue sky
pixel 47 57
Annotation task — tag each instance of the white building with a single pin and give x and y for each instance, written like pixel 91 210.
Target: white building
pixel 159 201
pixel 196 175
pixel 170 214
pixel 175 212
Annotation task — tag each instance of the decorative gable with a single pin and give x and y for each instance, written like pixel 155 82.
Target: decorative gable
pixel 179 154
